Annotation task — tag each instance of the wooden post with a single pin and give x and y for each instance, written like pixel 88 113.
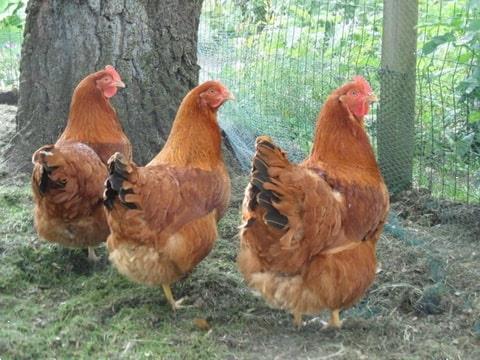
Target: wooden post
pixel 396 117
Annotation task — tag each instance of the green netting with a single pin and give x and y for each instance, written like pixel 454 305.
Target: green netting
pixel 282 58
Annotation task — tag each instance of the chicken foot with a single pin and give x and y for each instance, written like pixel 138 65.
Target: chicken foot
pixel 169 296
pixel 297 320
pixel 92 256
pixel 335 322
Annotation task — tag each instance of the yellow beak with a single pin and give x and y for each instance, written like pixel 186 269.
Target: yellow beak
pixel 119 84
pixel 372 98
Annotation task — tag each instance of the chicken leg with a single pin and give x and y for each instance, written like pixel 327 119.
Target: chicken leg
pixel 169 296
pixel 297 320
pixel 92 256
pixel 335 321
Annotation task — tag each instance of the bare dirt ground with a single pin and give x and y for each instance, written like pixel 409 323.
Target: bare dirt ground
pixel 425 303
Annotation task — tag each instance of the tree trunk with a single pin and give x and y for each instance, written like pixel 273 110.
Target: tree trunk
pixel 396 118
pixel 152 44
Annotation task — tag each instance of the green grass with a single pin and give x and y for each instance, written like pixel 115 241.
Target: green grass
pixel 55 304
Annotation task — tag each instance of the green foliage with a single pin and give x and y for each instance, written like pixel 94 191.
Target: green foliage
pixel 464 34
pixel 10 48
pixel 12 14
pixel 436 41
pixel 12 20
pixel 288 56
pixel 283 57
pixel 448 88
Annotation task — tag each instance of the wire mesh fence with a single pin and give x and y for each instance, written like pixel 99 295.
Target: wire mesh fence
pixel 10 48
pixel 282 58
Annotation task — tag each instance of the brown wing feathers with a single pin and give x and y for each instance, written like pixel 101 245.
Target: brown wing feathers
pixel 267 154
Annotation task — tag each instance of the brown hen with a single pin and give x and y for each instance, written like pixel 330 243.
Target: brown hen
pixel 163 217
pixel 68 177
pixel 310 230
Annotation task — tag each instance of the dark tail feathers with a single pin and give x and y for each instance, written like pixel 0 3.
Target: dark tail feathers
pixel 117 168
pixel 41 157
pixel 265 151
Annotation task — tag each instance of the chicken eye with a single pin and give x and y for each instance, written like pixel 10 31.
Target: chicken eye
pixel 211 91
pixel 353 93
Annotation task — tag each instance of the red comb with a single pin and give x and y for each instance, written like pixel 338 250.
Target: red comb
pixel 360 80
pixel 113 73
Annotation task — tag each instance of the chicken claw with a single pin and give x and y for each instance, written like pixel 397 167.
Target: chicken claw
pixel 92 256
pixel 335 322
pixel 174 304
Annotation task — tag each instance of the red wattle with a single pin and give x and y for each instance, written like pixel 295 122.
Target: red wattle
pixel 361 109
pixel 110 91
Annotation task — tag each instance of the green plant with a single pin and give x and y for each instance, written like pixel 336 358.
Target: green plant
pixel 12 14
pixel 12 20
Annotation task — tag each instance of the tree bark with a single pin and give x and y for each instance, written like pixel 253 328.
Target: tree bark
pixel 152 44
pixel 396 118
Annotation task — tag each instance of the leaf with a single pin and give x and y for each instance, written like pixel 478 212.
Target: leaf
pixel 3 5
pixel 464 144
pixel 464 58
pixel 466 39
pixel 14 21
pixel 300 13
pixel 6 10
pixel 12 14
pixel 468 86
pixel 474 25
pixel 474 117
pixel 436 41
pixel 457 22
